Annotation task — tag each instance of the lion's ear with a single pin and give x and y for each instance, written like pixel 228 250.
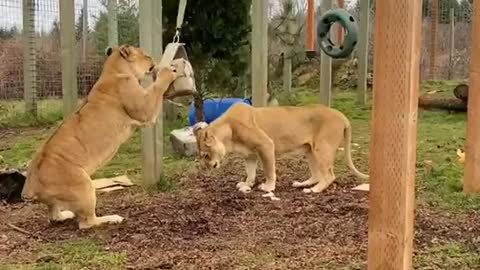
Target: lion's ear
pixel 209 139
pixel 108 51
pixel 125 51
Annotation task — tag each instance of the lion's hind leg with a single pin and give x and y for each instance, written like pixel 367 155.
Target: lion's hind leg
pixel 324 155
pixel 314 171
pixel 82 202
pixel 56 214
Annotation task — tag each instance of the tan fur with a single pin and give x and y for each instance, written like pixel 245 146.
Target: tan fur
pixel 59 174
pixel 271 132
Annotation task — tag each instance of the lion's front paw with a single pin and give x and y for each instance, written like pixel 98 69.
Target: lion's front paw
pixel 244 187
pixel 266 188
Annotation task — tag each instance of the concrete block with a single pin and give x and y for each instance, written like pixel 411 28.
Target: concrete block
pixel 184 142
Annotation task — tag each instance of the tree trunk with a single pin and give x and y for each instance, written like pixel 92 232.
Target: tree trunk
pixel 198 104
pixel 450 104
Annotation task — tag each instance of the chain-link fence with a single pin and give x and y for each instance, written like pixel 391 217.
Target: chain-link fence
pixel 445 38
pixel 30 51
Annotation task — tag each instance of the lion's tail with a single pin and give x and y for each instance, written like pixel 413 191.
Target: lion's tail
pixel 348 151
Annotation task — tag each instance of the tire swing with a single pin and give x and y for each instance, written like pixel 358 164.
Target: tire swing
pixel 176 55
pixel 323 33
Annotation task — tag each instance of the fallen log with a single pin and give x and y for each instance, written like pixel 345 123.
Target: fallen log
pixel 450 104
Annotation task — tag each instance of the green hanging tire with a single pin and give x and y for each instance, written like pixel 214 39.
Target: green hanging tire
pixel 324 25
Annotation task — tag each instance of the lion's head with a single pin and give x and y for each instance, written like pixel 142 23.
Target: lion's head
pixel 211 150
pixel 139 63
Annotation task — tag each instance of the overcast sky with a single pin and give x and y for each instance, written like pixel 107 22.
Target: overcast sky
pixel 47 12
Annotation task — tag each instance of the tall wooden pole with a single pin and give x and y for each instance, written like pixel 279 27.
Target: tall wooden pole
pixel 452 43
pixel 433 39
pixel 29 57
pixel 471 181
pixel 112 23
pixel 363 52
pixel 151 42
pixel 340 30
pixel 259 52
pixel 69 56
pixel 394 129
pixel 310 46
pixel 326 65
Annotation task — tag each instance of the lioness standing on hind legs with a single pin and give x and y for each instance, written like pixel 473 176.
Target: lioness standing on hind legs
pixel 59 174
pixel 269 132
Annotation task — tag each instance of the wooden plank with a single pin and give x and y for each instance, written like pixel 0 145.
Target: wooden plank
pixel 394 128
pixel 69 56
pixel 471 181
pixel 29 57
pixel 362 89
pixel 326 64
pixel 122 180
pixel 112 23
pixel 259 52
pixel 362 187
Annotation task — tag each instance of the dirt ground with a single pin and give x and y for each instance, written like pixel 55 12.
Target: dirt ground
pixel 206 224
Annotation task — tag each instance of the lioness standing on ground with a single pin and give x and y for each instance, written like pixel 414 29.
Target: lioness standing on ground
pixel 59 174
pixel 269 132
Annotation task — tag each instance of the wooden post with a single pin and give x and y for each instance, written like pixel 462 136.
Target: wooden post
pixel 471 181
pixel 112 23
pixel 452 43
pixel 69 56
pixel 157 51
pixel 287 71
pixel 310 27
pixel 340 30
pixel 259 52
pixel 151 41
pixel 29 57
pixel 84 32
pixel 145 18
pixel 362 77
pixel 326 65
pixel 433 39
pixel 394 129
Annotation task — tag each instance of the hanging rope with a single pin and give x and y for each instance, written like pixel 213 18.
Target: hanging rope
pixel 181 12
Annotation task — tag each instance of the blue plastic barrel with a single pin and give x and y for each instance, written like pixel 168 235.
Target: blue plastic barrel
pixel 213 108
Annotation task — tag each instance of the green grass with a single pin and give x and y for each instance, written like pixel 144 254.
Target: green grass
pixel 439 178
pixel 439 175
pixel 71 255
pixel 12 113
pixel 447 256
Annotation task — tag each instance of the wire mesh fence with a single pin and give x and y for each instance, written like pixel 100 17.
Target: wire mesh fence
pixel 445 44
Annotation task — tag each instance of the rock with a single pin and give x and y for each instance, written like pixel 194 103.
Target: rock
pixel 304 78
pixel 184 142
